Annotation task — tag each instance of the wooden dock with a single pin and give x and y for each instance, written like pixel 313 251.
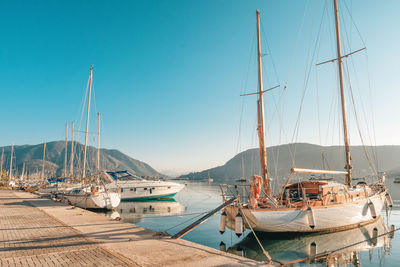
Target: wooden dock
pixel 41 232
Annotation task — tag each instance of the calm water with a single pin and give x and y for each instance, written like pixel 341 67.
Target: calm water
pixel 173 215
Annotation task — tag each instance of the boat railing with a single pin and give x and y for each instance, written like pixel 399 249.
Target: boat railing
pixel 239 191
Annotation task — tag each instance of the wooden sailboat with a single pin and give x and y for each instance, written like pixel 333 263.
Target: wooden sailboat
pixel 308 206
pixel 93 193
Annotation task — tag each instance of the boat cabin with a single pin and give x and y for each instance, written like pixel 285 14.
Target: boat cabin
pixel 123 176
pixel 322 193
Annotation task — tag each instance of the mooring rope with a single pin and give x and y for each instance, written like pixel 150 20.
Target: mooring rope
pixel 190 219
pixel 171 215
pixel 258 241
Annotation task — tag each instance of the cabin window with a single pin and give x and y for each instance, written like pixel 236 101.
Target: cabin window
pixel 131 189
pixel 169 187
pixel 122 190
pixel 145 188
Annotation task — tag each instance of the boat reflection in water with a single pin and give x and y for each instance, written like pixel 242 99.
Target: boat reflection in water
pixel 330 248
pixel 134 211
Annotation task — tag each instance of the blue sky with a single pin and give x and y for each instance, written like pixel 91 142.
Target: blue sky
pixel 168 74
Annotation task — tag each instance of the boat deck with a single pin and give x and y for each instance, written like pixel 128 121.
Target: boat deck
pixel 40 232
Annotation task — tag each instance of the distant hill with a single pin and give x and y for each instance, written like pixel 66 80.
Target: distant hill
pixel 306 156
pixel 110 159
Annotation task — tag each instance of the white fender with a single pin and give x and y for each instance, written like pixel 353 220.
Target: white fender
pixel 372 209
pixel 222 223
pixel 389 200
pixel 310 217
pixel 239 224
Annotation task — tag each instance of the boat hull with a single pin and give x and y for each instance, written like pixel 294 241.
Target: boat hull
pixel 326 218
pixel 101 200
pixel 136 191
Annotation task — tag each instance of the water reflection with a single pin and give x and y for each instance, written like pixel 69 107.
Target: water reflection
pixel 329 249
pixel 134 211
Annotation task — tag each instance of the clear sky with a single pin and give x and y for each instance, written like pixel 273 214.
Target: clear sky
pixel 168 74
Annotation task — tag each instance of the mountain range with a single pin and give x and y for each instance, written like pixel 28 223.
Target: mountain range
pixel 32 157
pixel 245 164
pixel 302 155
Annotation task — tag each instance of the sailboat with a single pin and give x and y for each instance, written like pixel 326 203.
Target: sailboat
pixel 93 194
pixel 209 179
pixel 307 206
pixel 21 178
pixel 11 181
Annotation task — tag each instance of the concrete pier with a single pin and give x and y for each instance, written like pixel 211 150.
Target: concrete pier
pixel 41 232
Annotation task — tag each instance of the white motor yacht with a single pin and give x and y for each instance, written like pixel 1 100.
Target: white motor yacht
pixel 134 187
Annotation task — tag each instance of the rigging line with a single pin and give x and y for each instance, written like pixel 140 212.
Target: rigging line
pixel 269 52
pixel 83 101
pixel 307 72
pixel 276 111
pixel 372 108
pixel 297 41
pixel 280 119
pixel 83 109
pixel 242 89
pixel 360 96
pixel 369 85
pixel 358 124
pixel 365 115
pixel 83 106
pixel 355 25
pixel 258 241
pixel 318 111
pixel 274 160
pixel 297 125
pixel 362 104
pixel 94 97
pixel 253 161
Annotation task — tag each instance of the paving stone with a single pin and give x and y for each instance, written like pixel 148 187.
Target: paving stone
pixel 30 237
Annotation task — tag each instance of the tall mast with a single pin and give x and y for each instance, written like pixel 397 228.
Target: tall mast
pixel 23 171
pixel 44 156
pixel 98 141
pixel 66 147
pixel 2 159
pixel 260 110
pixel 71 168
pixel 342 96
pixel 11 162
pixel 87 122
